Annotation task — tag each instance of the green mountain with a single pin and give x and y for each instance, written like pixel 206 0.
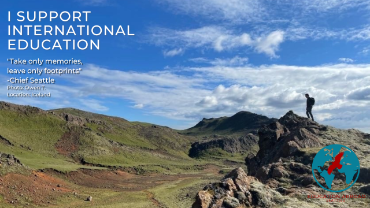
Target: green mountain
pixel 67 139
pixel 237 125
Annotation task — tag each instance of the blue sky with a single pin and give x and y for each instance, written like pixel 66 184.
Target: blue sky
pixel 210 58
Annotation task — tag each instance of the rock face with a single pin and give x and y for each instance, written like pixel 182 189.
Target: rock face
pixel 287 148
pixel 9 163
pixel 284 138
pixel 237 190
pixel 280 174
pixel 231 145
pixel 80 121
pixel 8 159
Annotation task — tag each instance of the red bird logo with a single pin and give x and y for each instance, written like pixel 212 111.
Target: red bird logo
pixel 336 163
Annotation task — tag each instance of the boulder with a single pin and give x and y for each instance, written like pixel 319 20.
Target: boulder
pixel 237 190
pixel 365 189
pixel 203 200
pixel 241 179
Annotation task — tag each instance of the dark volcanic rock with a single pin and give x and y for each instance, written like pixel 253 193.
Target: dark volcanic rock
pixel 230 145
pixel 364 176
pixel 365 189
pixel 282 139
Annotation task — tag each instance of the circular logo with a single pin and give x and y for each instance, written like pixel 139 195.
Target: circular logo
pixel 335 162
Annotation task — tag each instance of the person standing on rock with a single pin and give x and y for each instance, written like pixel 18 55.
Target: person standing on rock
pixel 310 103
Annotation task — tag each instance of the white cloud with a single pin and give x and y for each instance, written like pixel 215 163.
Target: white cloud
pixel 362 93
pixel 218 39
pixel 346 60
pixel 323 116
pixel 139 106
pixel 208 101
pixel 265 40
pixel 235 61
pixel 341 91
pixel 360 33
pixel 173 52
pixel 365 51
pixel 270 44
pixel 261 39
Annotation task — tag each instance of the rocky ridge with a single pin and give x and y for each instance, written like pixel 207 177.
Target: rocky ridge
pixel 230 145
pixel 280 175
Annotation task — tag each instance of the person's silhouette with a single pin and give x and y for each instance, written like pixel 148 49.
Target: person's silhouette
pixel 309 107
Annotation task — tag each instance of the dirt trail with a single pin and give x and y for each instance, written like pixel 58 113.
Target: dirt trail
pixel 155 202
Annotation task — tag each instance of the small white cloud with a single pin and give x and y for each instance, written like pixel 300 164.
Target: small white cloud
pixel 208 101
pixel 323 116
pixel 139 106
pixel 235 61
pixel 365 51
pixel 270 44
pixel 346 60
pixel 173 52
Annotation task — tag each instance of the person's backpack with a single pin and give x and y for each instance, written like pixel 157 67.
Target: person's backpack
pixel 312 101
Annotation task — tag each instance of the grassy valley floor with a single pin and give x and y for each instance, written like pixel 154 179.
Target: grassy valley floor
pixel 108 188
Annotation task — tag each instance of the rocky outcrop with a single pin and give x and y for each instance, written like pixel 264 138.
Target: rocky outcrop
pixel 231 145
pixel 285 147
pixel 80 121
pixel 284 138
pixel 237 190
pixel 282 168
pixel 8 159
pixel 9 163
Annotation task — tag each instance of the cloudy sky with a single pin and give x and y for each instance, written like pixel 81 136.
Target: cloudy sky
pixel 211 58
